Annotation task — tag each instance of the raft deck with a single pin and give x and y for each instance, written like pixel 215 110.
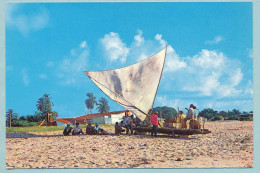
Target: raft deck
pixel 173 131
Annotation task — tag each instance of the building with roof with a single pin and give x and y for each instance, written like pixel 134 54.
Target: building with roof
pixel 103 118
pixel 62 122
pixel 100 118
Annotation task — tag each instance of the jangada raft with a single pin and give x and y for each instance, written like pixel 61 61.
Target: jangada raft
pixel 134 87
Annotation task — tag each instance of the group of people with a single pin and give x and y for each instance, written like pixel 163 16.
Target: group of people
pixel 90 130
pixel 190 119
pixel 128 123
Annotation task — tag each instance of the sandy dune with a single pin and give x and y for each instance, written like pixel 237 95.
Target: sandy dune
pixel 229 145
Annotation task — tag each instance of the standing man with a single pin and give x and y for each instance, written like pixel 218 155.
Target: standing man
pixel 190 115
pixel 154 122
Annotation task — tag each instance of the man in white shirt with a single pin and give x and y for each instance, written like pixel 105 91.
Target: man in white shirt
pixel 129 124
pixel 77 130
pixel 191 112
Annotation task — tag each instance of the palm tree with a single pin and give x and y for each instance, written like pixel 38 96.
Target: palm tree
pixel 90 102
pixel 44 105
pixel 103 105
pixel 10 116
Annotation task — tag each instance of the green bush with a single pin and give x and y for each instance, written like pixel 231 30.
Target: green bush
pixel 23 123
pixel 215 118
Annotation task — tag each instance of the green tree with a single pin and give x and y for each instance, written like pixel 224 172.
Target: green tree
pixel 10 117
pixel 90 102
pixel 208 113
pixel 44 105
pixel 102 105
pixel 236 112
pixel 223 113
pixel 22 118
pixel 167 112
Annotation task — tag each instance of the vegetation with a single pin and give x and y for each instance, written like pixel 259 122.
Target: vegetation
pixel 44 105
pixel 167 112
pixel 33 129
pixel 102 105
pixel 90 102
pixel 208 113
pixel 23 123
pixel 215 115
pixel 10 117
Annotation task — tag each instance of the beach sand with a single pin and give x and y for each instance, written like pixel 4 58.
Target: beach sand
pixel 229 145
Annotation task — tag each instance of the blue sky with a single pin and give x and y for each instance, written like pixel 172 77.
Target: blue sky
pixel 209 58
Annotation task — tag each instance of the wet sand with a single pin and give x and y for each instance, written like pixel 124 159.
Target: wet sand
pixel 229 145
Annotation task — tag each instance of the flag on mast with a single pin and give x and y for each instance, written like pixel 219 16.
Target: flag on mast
pixel 134 87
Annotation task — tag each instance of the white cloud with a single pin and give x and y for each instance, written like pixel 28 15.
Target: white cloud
pixel 25 77
pixel 72 66
pixel 139 40
pixel 42 76
pixel 83 44
pixel 25 23
pixel 236 77
pixel 209 59
pixel 216 40
pixel 114 48
pixel 159 38
pixel 211 73
pixel 207 73
pixel 249 89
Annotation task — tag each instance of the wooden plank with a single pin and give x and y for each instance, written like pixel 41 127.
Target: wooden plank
pixel 175 131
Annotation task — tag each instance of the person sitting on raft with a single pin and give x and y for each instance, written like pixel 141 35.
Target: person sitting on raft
pixel 77 130
pixel 90 129
pixel 67 130
pixel 183 119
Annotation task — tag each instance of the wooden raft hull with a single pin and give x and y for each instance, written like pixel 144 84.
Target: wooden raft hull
pixel 173 131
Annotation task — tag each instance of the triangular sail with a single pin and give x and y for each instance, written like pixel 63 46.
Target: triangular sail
pixel 134 87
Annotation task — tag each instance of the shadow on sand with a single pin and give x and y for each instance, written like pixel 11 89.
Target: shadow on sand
pixel 26 135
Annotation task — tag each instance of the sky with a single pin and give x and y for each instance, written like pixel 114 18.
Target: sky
pixel 209 60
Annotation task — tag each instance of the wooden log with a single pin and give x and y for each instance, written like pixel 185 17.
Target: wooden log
pixel 173 131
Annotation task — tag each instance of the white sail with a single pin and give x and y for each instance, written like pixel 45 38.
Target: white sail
pixel 134 87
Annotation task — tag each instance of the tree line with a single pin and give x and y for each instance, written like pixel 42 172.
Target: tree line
pixel 210 114
pixel 44 106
